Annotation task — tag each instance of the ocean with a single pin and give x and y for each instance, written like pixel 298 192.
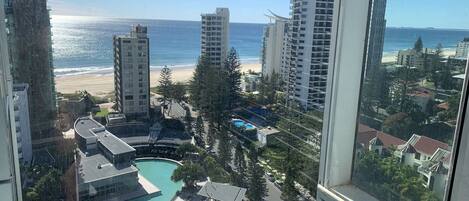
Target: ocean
pixel 84 44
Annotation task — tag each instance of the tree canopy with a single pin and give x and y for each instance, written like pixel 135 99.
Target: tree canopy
pixel 189 173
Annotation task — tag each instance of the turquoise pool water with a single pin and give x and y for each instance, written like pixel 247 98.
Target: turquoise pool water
pixel 238 123
pixel 159 172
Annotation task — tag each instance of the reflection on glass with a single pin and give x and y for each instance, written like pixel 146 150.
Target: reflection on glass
pixel 408 109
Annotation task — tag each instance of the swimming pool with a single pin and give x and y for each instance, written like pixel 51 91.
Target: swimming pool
pixel 159 172
pixel 238 123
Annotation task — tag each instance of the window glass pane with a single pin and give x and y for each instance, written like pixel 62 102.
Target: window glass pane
pixel 414 70
pixel 248 118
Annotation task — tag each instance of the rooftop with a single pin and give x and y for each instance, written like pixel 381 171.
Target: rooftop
pixel 427 145
pixel 223 192
pixel 114 144
pixel 269 131
pixel 83 127
pixel 87 127
pixel 367 134
pixel 98 167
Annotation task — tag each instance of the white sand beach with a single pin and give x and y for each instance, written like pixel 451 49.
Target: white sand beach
pixel 102 83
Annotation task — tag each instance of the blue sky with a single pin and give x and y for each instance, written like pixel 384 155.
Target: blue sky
pixel 406 13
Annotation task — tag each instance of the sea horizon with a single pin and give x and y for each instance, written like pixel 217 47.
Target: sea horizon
pixel 83 44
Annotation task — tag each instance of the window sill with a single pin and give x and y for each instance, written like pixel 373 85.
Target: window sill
pixel 343 193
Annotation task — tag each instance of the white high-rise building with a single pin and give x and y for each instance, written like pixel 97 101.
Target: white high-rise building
pixel 309 43
pixel 132 73
pixel 462 51
pixel 10 180
pixel 273 51
pixel 23 128
pixel 215 36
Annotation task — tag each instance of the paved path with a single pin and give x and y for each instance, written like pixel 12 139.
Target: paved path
pixel 273 193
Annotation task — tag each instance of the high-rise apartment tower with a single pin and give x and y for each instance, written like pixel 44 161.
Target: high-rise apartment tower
pixel 132 73
pixel 308 59
pixel 215 36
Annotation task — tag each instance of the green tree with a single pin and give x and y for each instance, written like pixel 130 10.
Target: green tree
pixel 453 108
pixel 224 149
pixel 219 94
pixel 199 131
pixel 178 92
pixel 233 70
pixel 268 87
pixel 388 179
pixel 375 91
pixel 436 66
pixel 48 187
pixel 165 84
pixel 213 94
pixel 400 125
pixel 418 46
pixel 189 173
pixel 405 77
pixel 31 195
pixel 199 126
pixel 289 192
pixel 198 83
pixel 240 164
pixel 446 79
pixel 215 171
pixel 188 120
pixel 185 149
pixel 256 183
pixel 239 158
pixel 211 135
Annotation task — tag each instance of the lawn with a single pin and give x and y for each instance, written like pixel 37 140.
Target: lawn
pixel 103 113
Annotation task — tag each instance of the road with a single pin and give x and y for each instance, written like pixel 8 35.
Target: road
pixel 273 193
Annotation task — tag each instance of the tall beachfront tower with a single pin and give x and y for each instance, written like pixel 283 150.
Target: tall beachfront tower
pixel 376 36
pixel 273 49
pixel 308 59
pixel 132 73
pixel 215 36
pixel 29 35
pixel 9 166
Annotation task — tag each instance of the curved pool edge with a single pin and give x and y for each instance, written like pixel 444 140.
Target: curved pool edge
pixel 158 158
pixel 142 159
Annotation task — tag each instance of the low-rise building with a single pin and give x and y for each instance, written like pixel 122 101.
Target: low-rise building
pixel 412 58
pixel 105 169
pixel 430 156
pixel 264 134
pixel 213 191
pixel 462 50
pixel 115 118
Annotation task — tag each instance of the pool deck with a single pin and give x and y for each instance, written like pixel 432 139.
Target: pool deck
pixel 147 185
pixel 146 188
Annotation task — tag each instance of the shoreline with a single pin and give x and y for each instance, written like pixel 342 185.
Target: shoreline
pixel 101 82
